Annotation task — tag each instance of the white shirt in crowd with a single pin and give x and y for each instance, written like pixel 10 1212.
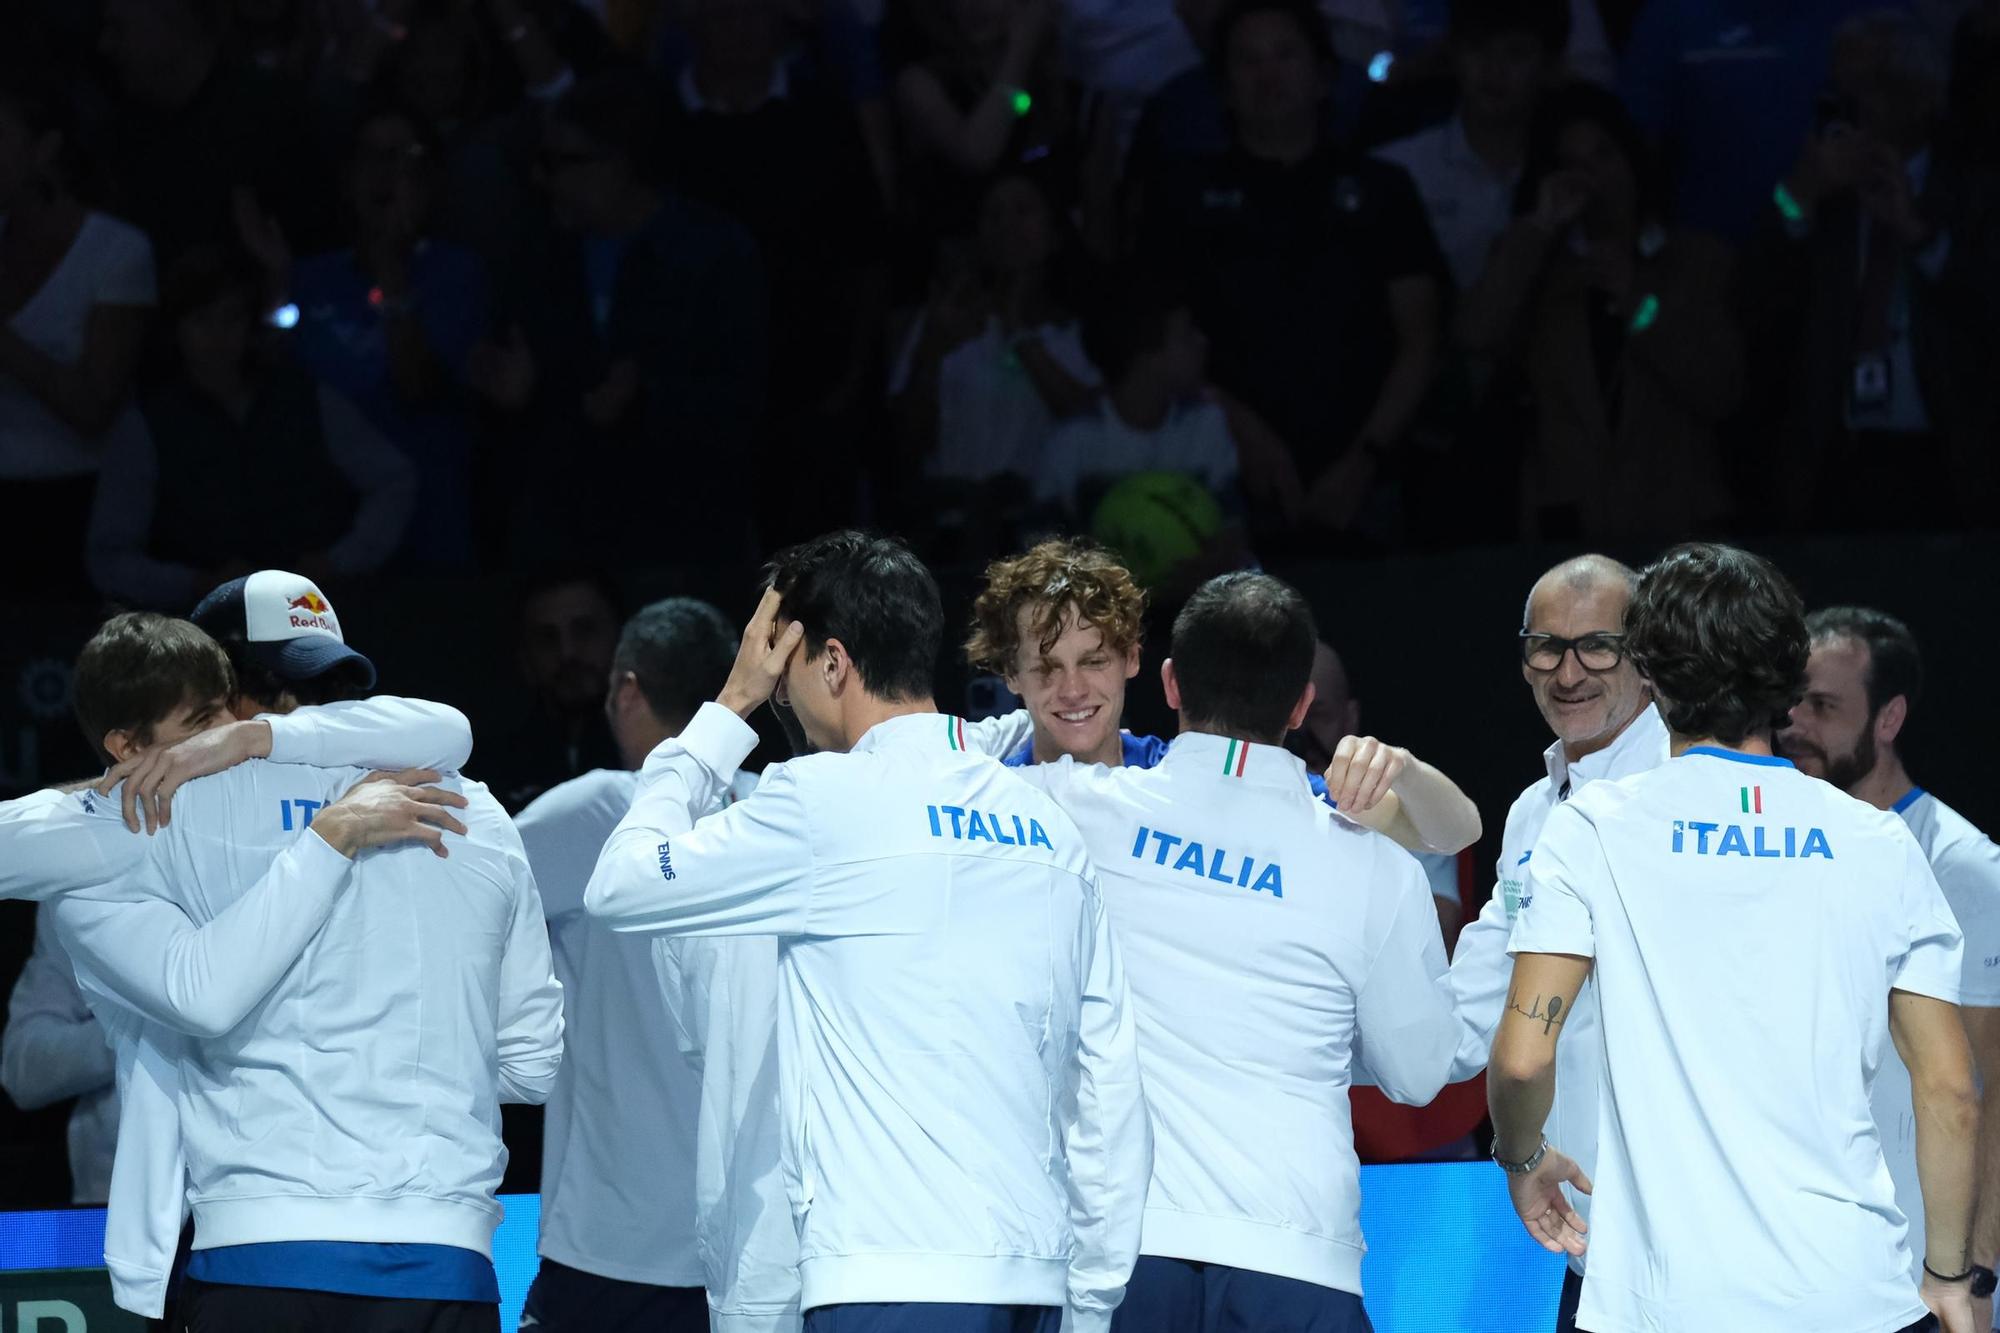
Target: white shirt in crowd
pixel 1103 446
pixel 963 1118
pixel 1740 1182
pixel 1481 968
pixel 1967 865
pixel 110 263
pixel 54 1050
pixel 991 419
pixel 1468 202
pixel 1265 937
pixel 151 976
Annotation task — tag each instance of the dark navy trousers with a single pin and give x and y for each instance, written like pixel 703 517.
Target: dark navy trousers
pixel 922 1317
pixel 1181 1296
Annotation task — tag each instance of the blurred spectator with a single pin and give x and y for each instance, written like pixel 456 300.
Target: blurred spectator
pixel 52 1051
pixel 997 356
pixel 1127 50
pixel 1505 54
pixel 645 347
pixel 1153 417
pixel 1876 295
pixel 246 462
pixel 1625 327
pixel 1313 271
pixel 76 289
pixel 568 625
pixel 1336 714
pixel 1725 89
pixel 812 206
pixel 986 96
pixel 195 129
pixel 391 323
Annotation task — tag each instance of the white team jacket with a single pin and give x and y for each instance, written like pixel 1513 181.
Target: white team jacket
pixel 1481 967
pixel 963 1119
pixel 1264 936
pixel 141 955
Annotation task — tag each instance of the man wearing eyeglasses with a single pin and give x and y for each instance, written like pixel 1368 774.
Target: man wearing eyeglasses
pixel 1573 658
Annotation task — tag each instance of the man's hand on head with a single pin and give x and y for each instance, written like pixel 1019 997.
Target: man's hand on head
pixel 388 808
pixel 1362 772
pixel 152 778
pixel 761 660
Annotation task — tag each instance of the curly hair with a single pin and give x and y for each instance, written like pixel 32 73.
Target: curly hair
pixel 1047 580
pixel 1721 635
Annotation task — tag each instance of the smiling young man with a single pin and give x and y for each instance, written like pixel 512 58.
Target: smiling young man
pixel 1863 681
pixel 1061 624
pixel 1755 936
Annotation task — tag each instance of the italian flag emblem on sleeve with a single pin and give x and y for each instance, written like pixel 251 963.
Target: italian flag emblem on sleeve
pixel 1753 800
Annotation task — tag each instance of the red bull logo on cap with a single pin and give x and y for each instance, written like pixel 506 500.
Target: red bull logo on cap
pixel 309 610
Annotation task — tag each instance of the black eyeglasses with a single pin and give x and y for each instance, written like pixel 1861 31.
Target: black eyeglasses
pixel 1594 652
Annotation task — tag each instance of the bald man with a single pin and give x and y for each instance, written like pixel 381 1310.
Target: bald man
pixel 1573 658
pixel 1336 713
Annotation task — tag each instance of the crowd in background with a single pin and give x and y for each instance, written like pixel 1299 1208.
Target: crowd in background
pixel 422 287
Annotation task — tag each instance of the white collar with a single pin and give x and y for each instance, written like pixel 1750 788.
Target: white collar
pixel 1642 745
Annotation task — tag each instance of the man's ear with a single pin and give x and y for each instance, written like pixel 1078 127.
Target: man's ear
pixel 1299 709
pixel 1889 720
pixel 837 666
pixel 1171 684
pixel 1132 662
pixel 121 744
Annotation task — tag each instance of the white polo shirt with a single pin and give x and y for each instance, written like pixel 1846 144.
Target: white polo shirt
pixel 1481 968
pixel 1967 865
pixel 1748 923
pixel 1265 936
pixel 960 1086
pixel 619 1132
pixel 1468 202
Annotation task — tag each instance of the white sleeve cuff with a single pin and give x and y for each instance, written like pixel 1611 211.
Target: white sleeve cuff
pixel 291 738
pixel 718 740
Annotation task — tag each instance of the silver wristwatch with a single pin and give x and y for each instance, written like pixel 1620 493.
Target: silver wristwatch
pixel 1521 1168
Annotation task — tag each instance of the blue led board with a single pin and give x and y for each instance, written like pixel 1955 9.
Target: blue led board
pixel 1445 1254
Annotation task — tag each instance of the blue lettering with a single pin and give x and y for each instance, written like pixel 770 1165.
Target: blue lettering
pixel 285 813
pixel 937 831
pixel 1020 834
pixel 1762 850
pixel 1816 845
pixel 1732 842
pixel 976 828
pixel 1215 869
pixel 1139 847
pixel 1701 832
pixel 1680 834
pixel 1037 838
pixel 1243 875
pixel 1271 879
pixel 956 814
pixel 1190 858
pixel 666 861
pixel 1167 842
pixel 1000 832
pixel 1791 841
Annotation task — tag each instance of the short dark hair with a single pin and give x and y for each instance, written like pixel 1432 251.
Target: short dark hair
pixel 872 594
pixel 1311 23
pixel 1721 634
pixel 262 685
pixel 680 651
pixel 1895 666
pixel 1476 21
pixel 138 668
pixel 1126 317
pixel 1579 101
pixel 541 581
pixel 1243 654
